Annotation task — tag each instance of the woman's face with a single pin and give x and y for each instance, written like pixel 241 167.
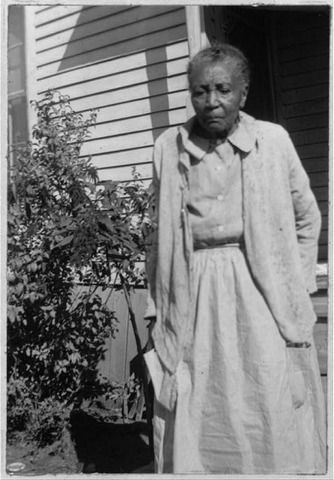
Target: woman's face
pixel 217 93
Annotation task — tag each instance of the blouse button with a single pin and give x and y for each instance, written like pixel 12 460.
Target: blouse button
pixel 220 197
pixel 220 228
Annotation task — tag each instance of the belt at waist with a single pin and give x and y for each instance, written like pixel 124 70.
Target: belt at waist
pixel 219 245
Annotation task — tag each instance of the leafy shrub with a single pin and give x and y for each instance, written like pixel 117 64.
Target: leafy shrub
pixel 63 229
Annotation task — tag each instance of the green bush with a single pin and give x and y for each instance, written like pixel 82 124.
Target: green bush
pixel 63 230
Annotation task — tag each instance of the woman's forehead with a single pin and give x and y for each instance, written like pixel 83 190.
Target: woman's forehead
pixel 225 69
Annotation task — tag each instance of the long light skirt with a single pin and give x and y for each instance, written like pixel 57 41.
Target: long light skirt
pixel 242 407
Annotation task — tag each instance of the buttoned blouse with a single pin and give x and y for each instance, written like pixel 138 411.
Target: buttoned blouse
pixel 215 199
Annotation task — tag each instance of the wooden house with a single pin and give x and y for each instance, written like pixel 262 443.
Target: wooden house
pixel 129 62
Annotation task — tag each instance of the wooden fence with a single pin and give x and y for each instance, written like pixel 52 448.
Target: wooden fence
pixel 121 351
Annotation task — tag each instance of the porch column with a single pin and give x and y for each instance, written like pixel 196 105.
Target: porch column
pixel 197 38
pixel 30 63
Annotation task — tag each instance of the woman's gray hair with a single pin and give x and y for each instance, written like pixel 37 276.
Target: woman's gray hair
pixel 218 53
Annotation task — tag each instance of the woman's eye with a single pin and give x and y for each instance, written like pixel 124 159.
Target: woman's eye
pixel 198 93
pixel 224 91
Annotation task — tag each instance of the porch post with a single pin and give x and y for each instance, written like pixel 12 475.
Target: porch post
pixel 197 38
pixel 30 63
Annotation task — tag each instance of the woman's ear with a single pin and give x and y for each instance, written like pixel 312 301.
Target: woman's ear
pixel 244 94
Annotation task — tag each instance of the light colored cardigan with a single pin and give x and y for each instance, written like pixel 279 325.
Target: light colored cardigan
pixel 281 230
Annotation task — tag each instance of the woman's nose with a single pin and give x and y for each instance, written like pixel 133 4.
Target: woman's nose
pixel 212 99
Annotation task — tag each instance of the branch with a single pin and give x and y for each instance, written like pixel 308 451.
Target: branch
pixel 141 359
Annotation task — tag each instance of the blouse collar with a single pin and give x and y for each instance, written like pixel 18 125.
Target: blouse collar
pixel 243 138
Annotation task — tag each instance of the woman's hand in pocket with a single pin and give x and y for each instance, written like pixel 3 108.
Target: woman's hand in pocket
pixel 150 344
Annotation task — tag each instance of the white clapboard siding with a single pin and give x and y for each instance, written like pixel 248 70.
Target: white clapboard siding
pixel 65 17
pixel 145 41
pixel 125 79
pixel 124 173
pixel 158 88
pixel 124 158
pixel 110 29
pixel 100 23
pixel 52 14
pixel 128 63
pixel 122 142
pixel 61 17
pixel 137 137
pixel 133 32
pixel 141 107
pixel 114 65
pixel 138 124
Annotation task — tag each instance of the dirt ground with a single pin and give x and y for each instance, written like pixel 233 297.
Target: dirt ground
pixel 40 462
pixel 94 447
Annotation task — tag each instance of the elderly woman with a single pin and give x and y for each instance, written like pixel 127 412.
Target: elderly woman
pixel 232 264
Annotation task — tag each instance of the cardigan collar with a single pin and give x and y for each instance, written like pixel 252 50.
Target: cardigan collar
pixel 243 138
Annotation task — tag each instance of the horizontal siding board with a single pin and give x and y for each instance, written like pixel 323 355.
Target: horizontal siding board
pixel 323 206
pixel 120 143
pixel 137 31
pixel 141 107
pixel 320 305
pixel 119 159
pixel 124 173
pixel 138 124
pixel 87 25
pixel 306 20
pixel 57 13
pixel 144 42
pixel 298 95
pixel 65 16
pixel 305 50
pixel 320 62
pixel 317 164
pixel 311 151
pixel 126 79
pixel 288 38
pixel 128 106
pixel 321 193
pixel 324 217
pixel 313 136
pixel 323 239
pixel 323 253
pixel 300 109
pixel 319 179
pixel 309 121
pixel 118 64
pixel 321 343
pixel 124 142
pixel 157 88
pixel 76 17
pixel 305 79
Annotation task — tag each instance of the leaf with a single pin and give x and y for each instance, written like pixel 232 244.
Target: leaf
pixel 65 241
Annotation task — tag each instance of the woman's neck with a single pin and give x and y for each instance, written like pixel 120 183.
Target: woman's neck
pixel 215 136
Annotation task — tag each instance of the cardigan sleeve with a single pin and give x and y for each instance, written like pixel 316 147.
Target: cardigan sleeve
pixel 307 216
pixel 152 241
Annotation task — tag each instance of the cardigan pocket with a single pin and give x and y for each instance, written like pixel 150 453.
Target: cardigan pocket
pixel 164 383
pixel 298 360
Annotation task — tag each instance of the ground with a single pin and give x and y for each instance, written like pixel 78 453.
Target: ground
pixel 40 462
pixel 94 447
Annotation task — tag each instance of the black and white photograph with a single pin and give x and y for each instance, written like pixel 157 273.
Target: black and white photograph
pixel 166 239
